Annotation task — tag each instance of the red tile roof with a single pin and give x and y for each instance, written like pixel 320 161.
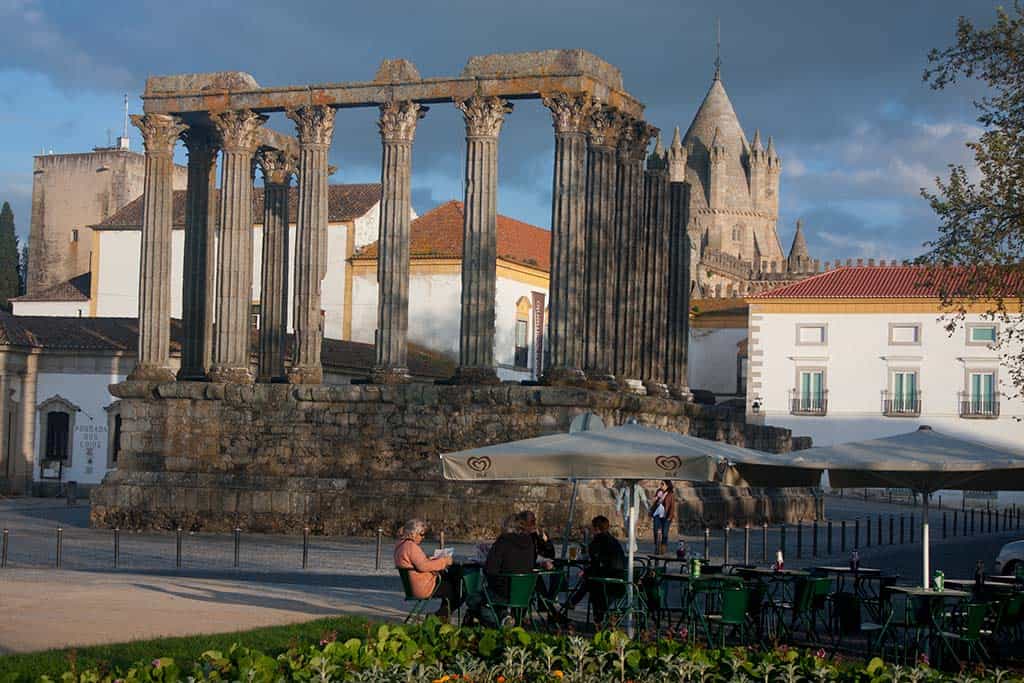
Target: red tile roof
pixel 438 234
pixel 896 282
pixel 344 203
pixel 75 289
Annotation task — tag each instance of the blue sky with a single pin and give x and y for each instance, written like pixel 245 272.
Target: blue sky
pixel 837 84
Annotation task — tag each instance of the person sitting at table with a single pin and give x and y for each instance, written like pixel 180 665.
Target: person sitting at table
pixel 424 572
pixel 607 560
pixel 663 511
pixel 515 552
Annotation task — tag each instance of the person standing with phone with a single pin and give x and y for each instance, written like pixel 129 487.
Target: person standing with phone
pixel 663 512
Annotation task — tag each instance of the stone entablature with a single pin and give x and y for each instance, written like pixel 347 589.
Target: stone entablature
pixel 350 459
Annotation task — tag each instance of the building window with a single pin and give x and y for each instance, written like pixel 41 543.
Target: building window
pixel 522 332
pixel 737 233
pixel 903 399
pixel 811 335
pixel 810 396
pixel 113 433
pixel 981 398
pixel 74 234
pixel 56 430
pixel 742 368
pixel 905 334
pixel 982 334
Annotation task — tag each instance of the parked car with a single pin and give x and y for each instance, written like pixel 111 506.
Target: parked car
pixel 1010 558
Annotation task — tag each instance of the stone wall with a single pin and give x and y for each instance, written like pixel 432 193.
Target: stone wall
pixel 349 459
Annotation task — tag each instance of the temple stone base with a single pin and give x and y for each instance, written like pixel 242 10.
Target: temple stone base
pixel 350 459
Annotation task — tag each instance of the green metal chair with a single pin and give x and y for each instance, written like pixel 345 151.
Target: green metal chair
pixel 968 636
pixel 520 598
pixel 616 599
pixel 419 603
pixel 733 617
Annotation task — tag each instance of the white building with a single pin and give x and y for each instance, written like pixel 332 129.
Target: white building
pixel 863 352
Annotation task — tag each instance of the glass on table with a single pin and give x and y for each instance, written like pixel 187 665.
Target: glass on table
pixel 574 552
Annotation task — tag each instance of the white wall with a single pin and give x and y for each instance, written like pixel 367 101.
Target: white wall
pixel 71 309
pixel 858 360
pixel 116 283
pixel 711 363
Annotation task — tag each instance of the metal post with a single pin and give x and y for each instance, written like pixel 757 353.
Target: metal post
pixel 903 525
pixel 943 525
pixel 117 546
pixel 912 528
pixel 867 531
pixel 799 538
pixel 892 533
pixel 842 536
pixel 746 545
pixel 990 520
pixel 305 546
pixel 972 521
pixel 3 550
pixel 238 542
pixel 442 539
pixel 956 520
pixel 725 545
pixel 380 539
pixel 764 541
pixel 856 533
pixel 707 544
pixel 878 531
pixel 782 540
pixel 177 553
pixel 814 539
pixel 828 538
pixel 60 544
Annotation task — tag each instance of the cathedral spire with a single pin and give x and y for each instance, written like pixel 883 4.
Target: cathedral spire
pixel 718 49
pixel 757 141
pixel 799 257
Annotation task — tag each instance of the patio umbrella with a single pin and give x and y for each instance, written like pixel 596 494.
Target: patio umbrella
pixel 924 461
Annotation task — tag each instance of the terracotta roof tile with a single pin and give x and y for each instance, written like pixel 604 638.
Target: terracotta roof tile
pixel 894 282
pixel 344 203
pixel 75 289
pixel 438 234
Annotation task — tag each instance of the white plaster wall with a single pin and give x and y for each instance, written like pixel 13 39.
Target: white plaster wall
pixel 89 441
pixel 711 364
pixel 507 294
pixel 332 292
pixel 364 307
pixel 858 359
pixel 117 283
pixel 434 311
pixel 52 308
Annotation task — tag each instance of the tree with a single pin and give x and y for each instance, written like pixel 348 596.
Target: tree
pixel 981 211
pixel 23 269
pixel 9 275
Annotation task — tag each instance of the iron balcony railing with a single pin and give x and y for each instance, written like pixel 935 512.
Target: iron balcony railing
pixel 808 404
pixel 901 405
pixel 979 406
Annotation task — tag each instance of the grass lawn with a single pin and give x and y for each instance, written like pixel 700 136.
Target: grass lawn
pixel 271 640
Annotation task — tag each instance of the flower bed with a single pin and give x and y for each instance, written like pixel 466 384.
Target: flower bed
pixel 435 653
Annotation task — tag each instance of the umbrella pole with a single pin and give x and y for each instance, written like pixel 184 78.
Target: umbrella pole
pixel 568 523
pixel 630 554
pixel 925 549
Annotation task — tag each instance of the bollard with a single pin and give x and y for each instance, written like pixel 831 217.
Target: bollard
pixel 828 539
pixel 892 534
pixel 989 520
pixel 878 533
pixel 707 544
pixel 842 536
pixel 3 549
pixel 442 540
pixel 746 545
pixel 955 520
pixel 117 546
pixel 238 542
pixel 867 532
pixel 380 538
pixel 890 496
pixel 903 524
pixel 912 526
pixel 1018 517
pixel 782 539
pixel 725 545
pixel 764 541
pixel 814 539
pixel 799 538
pixel 856 533
pixel 177 552
pixel 60 544
pixel 972 521
pixel 940 502
pixel 305 546
pixel 943 525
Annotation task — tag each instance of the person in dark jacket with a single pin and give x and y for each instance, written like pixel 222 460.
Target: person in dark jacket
pixel 607 560
pixel 516 551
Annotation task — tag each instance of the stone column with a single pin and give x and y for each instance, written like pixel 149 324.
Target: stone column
pixel 655 275
pixel 484 116
pixel 239 140
pixel 278 170
pixel 199 260
pixel 678 296
pixel 397 126
pixel 159 133
pixel 601 247
pixel 29 393
pixel 315 126
pixel 570 115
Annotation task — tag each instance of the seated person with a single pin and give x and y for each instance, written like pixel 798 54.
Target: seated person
pixel 425 572
pixel 607 560
pixel 515 552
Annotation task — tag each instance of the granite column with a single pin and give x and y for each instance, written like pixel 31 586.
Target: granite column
pixel 315 126
pixel 678 294
pixel 159 133
pixel 570 116
pixel 484 116
pixel 278 170
pixel 199 262
pixel 654 270
pixel 397 126
pixel 238 130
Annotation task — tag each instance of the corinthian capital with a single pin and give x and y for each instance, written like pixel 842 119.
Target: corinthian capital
pixel 635 138
pixel 397 122
pixel 570 113
pixel 200 141
pixel 605 127
pixel 314 123
pixel 159 132
pixel 238 129
pixel 278 167
pixel 484 115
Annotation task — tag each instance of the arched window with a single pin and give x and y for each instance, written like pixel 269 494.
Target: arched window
pixel 57 429
pixel 522 355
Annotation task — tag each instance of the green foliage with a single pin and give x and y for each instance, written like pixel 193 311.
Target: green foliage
pixel 981 211
pixel 10 276
pixel 440 653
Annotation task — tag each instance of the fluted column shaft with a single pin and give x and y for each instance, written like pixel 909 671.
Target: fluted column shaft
pixel 397 126
pixel 238 132
pixel 570 116
pixel 199 261
pixel 678 296
pixel 483 116
pixel 315 127
pixel 600 244
pixel 159 133
pixel 277 174
pixel 655 277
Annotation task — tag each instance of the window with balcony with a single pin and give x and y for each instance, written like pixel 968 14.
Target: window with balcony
pixel 980 400
pixel 810 397
pixel 903 399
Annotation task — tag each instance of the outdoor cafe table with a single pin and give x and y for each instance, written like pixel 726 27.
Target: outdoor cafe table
pixel 666 559
pixel 862 579
pixel 936 602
